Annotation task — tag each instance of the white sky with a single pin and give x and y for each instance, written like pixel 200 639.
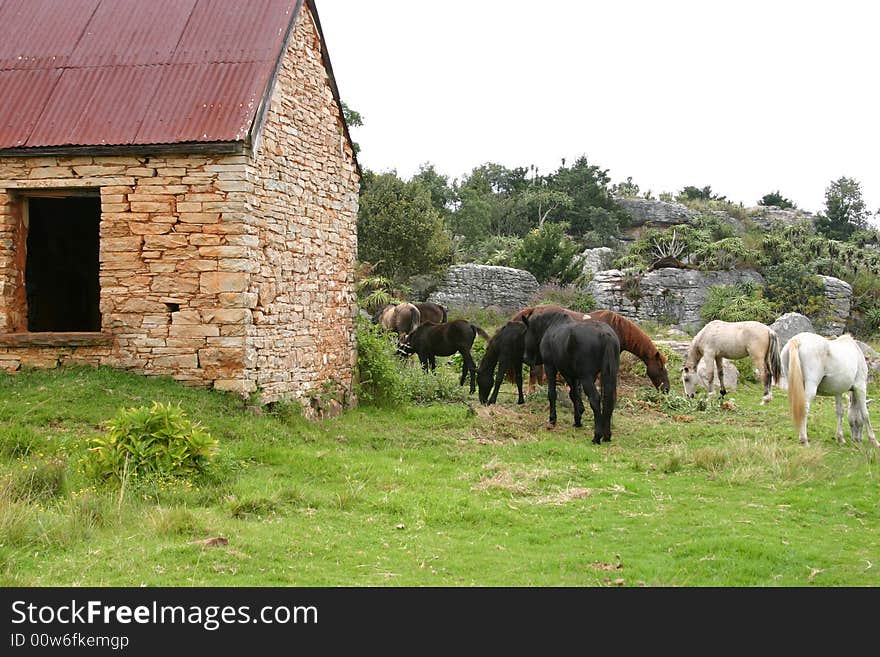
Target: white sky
pixel 746 96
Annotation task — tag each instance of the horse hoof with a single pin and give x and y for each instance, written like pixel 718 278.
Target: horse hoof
pixel 597 440
pixel 578 425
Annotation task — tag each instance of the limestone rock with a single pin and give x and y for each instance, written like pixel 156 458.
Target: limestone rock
pixel 484 285
pixel 731 375
pixel 839 295
pixel 789 325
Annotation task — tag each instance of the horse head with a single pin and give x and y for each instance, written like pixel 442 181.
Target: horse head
pixel 656 366
pixel 689 379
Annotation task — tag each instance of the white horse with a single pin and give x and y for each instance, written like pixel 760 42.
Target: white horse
pixel 718 340
pixel 816 365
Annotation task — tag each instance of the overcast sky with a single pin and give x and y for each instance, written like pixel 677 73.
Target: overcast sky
pixel 747 96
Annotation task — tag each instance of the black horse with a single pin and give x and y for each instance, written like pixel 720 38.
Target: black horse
pixel 432 312
pixel 580 350
pixel 431 339
pixel 505 349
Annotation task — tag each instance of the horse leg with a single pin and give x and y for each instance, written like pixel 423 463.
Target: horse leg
pixel 719 367
pixel 551 391
pixel 517 373
pixel 425 362
pixel 595 404
pixel 574 394
pixel 765 376
pixel 709 362
pixel 809 395
pixel 499 378
pixel 854 426
pixel 433 360
pixel 859 409
pixel 471 367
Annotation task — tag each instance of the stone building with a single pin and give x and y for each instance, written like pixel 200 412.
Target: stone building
pixel 178 193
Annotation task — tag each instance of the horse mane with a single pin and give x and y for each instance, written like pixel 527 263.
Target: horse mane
pixel 632 337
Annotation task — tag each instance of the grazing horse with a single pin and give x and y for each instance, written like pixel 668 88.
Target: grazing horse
pixel 505 349
pixel 432 312
pixel 631 337
pixel 401 318
pixel 430 340
pixel 817 366
pixel 580 350
pixel 719 339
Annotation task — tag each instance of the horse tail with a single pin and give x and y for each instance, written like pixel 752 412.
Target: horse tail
pixel 797 398
pixel 415 318
pixel 479 331
pixel 772 360
pixel 610 365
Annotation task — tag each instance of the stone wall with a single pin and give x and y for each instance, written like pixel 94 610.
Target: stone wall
pixel 483 286
pixel 304 212
pixel 171 253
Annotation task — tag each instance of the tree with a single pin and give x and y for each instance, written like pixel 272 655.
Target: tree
pixel 399 229
pixel 442 195
pixel 776 199
pixel 548 254
pixel 588 187
pixel 353 119
pixel 691 193
pixel 845 210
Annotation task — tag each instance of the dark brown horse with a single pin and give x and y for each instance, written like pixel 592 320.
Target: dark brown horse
pixel 505 349
pixel 430 340
pixel 631 337
pixel 432 312
pixel 581 350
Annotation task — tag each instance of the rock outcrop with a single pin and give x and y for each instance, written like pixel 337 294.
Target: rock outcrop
pixel 598 259
pixel 483 285
pixel 839 295
pixel 666 296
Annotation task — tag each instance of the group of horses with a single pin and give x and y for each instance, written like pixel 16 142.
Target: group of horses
pixel 581 349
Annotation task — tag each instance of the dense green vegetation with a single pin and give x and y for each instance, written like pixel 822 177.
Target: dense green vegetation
pixel 688 493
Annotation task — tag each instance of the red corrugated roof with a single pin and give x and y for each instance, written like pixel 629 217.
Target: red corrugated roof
pixel 130 72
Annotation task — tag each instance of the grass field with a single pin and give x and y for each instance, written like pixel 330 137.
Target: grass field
pixel 449 494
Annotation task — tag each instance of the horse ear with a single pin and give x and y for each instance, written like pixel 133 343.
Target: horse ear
pixel 661 356
pixel 525 320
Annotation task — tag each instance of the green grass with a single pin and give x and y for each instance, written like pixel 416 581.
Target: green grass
pixel 449 494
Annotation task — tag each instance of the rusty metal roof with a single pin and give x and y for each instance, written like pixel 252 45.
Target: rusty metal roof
pixel 130 72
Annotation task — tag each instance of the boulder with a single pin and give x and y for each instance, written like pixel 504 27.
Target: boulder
pixel 484 285
pixel 731 375
pixel 654 214
pixel 598 259
pixel 789 325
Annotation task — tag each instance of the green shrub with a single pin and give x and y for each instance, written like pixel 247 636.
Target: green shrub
pixel 151 440
pixel 737 303
pixel 379 380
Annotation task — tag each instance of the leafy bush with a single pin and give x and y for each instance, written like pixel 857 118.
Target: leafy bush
pixel 737 303
pixel 378 379
pixel 151 440
pixel 549 254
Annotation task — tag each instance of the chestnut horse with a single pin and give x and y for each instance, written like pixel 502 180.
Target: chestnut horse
pixel 631 337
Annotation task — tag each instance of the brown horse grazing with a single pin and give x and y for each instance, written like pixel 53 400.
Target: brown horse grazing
pixel 631 337
pixel 581 351
pixel 430 340
pixel 432 312
pixel 401 318
pixel 505 349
